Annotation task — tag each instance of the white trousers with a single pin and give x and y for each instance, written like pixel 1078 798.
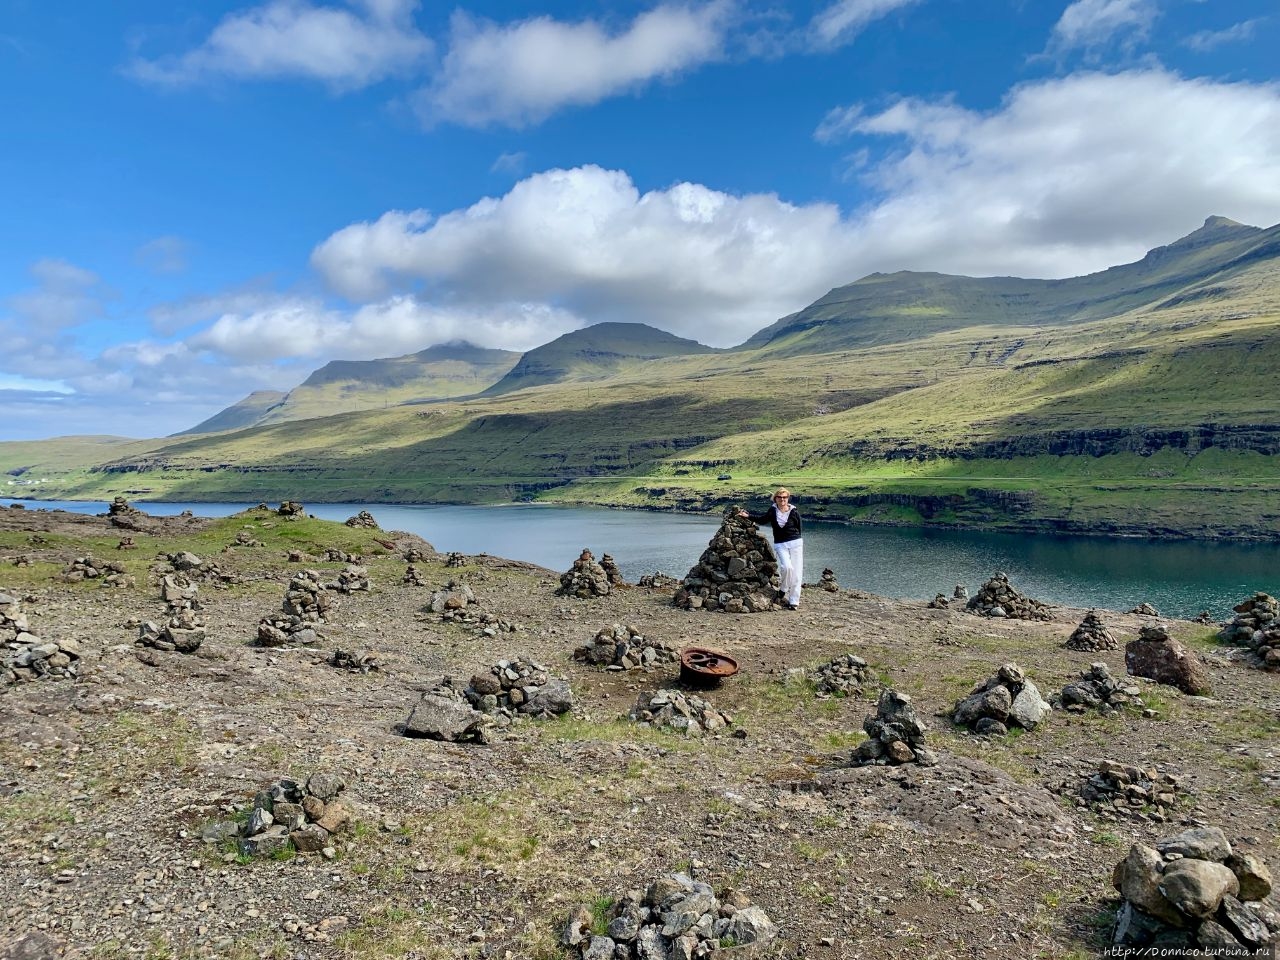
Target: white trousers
pixel 790 568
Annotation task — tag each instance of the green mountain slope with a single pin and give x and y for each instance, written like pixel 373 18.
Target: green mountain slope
pixel 245 413
pixel 595 352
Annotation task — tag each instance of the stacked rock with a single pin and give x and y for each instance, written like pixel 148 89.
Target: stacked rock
pixel 444 713
pixel 245 538
pixel 1193 891
pixel 350 579
pixel 1145 610
pixel 183 630
pixel 841 677
pixel 346 660
pixel 291 510
pixel 675 917
pixel 961 592
pixel 455 595
pixel 454 559
pixel 412 577
pixel 414 555
pixel 22 560
pixel 691 715
pixel 584 579
pixel 306 603
pixel 363 519
pixel 1008 698
pixel 120 513
pixel 1120 790
pixel 657 581
pixel 611 571
pixel 998 598
pixel 1157 656
pixel 828 581
pixel 519 687
pixel 1091 635
pixel 24 656
pixel 334 555
pixel 736 573
pixel 939 602
pixel 895 735
pixel 83 568
pixel 126 543
pixel 289 815
pixel 1098 690
pixel 624 648
pixel 1257 627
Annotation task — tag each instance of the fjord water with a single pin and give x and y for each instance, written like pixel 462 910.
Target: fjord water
pixel 1180 578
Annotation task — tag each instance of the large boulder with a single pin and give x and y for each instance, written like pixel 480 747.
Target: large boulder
pixel 1157 656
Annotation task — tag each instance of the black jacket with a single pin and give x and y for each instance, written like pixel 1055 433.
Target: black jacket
pixel 781 533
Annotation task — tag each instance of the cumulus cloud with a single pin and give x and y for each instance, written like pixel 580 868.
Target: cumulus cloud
pixel 1068 175
pixel 346 47
pixel 1092 24
pixel 841 22
pixel 520 73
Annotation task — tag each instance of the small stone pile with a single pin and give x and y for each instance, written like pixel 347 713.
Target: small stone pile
pixel 1119 790
pixel 611 571
pixel 621 647
pixel 455 595
pixel 939 602
pixel 287 814
pixel 183 630
pixel 519 687
pixel 1098 690
pixel 291 510
pixel 122 514
pixel 363 519
pixel 841 677
pixel 674 918
pixel 1256 626
pixel 444 713
pixel 414 555
pixel 1092 635
pixel 658 581
pixel 1157 656
pixel 961 592
pixel 87 568
pixel 306 602
pixel 691 715
pixel 346 660
pixel 24 656
pixel 351 579
pixel 22 560
pixel 1192 890
pixel 412 577
pixel 334 555
pixel 828 581
pixel 245 538
pixel 895 735
pixel 1145 610
pixel 207 570
pixel 126 543
pixel 454 559
pixel 1008 698
pixel 998 598
pixel 736 573
pixel 585 579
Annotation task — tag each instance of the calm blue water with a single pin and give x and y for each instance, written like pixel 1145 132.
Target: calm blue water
pixel 1180 577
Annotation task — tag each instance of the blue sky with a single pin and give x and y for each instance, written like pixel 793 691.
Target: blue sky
pixel 202 199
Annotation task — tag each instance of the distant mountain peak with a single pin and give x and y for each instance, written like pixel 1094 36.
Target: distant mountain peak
pixel 1213 230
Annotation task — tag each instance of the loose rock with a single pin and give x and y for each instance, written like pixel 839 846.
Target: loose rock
pixel 624 648
pixel 1157 656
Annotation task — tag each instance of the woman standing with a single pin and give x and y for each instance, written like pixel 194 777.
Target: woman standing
pixel 787 544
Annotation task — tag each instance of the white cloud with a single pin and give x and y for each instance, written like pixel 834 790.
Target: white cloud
pixel 1095 23
pixel 1069 175
pixel 844 20
pixel 510 163
pixel 688 259
pixel 65 295
pixel 347 48
pixel 1207 40
pixel 167 254
pixel 520 73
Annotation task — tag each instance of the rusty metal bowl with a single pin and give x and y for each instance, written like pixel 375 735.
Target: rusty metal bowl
pixel 702 667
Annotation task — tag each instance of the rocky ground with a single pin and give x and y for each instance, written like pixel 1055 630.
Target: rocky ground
pixel 109 781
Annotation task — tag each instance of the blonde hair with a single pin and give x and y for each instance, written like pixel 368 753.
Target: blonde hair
pixel 780 491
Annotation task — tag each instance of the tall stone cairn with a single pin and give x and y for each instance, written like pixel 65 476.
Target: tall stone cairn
pixel 584 579
pixel 737 573
pixel 1257 626
pixel 1091 635
pixel 998 598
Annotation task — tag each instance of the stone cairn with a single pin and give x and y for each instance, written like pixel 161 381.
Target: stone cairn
pixel 842 677
pixel 674 917
pixel 307 602
pixel 183 631
pixel 122 514
pixel 611 572
pixel 444 713
pixel 291 510
pixel 245 538
pixel 895 735
pixel 658 581
pixel 1157 656
pixel 363 519
pixel 22 560
pixel 585 579
pixel 1119 790
pixel 334 555
pixel 998 598
pixel 520 687
pixel 1256 626
pixel 1007 699
pixel 287 814
pixel 412 577
pixel 1192 890
pixel 126 543
pixel 959 595
pixel 452 597
pixel 186 562
pixel 684 712
pixel 351 579
pixel 24 656
pixel 736 573
pixel 828 581
pixel 414 555
pixel 454 559
pixel 1092 635
pixel 1145 610
pixel 111 573
pixel 1098 690
pixel 361 663
pixel 624 648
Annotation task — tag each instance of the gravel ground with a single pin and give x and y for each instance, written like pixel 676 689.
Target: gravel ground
pixel 468 850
